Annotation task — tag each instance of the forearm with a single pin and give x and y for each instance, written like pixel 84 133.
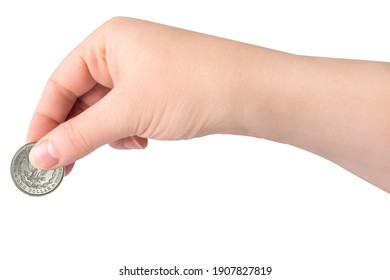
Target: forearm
pixel 338 109
pixel 348 117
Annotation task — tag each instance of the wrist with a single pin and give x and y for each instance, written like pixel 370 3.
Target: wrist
pixel 264 98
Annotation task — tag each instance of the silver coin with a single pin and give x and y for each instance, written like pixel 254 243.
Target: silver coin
pixel 31 180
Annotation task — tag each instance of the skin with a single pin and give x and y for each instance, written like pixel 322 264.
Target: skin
pixel 132 80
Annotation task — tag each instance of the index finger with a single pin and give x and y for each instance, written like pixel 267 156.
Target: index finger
pixel 69 81
pixel 79 72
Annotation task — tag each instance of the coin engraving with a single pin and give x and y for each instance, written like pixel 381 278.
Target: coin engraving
pixel 31 180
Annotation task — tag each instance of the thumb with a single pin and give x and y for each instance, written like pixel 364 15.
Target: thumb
pixel 79 136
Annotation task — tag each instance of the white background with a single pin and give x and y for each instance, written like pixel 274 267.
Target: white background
pixel 213 201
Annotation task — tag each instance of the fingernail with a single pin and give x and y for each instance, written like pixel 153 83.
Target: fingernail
pixel 43 155
pixel 131 143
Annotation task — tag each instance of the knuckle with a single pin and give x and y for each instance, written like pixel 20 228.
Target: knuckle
pixel 115 22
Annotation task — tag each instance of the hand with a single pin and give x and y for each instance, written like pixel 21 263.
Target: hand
pixel 131 80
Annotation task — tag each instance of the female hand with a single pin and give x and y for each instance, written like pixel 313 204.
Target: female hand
pixel 131 80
